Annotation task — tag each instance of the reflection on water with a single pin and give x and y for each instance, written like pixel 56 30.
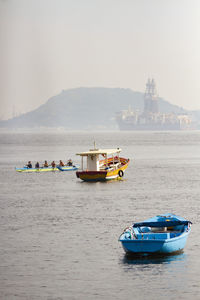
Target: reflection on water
pixel 118 179
pixel 153 259
pixel 157 276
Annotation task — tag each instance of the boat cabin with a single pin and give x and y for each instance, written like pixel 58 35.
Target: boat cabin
pixel 100 159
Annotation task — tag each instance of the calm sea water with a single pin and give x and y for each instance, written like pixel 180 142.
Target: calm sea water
pixel 59 236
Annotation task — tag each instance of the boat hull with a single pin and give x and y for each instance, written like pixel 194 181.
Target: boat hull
pixel 49 169
pixel 165 246
pixel 104 175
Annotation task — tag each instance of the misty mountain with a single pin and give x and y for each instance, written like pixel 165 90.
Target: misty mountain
pixel 85 108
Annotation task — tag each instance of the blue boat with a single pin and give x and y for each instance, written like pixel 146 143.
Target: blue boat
pixel 163 234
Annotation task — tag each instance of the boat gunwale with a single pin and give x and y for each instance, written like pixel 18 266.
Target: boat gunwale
pixel 167 240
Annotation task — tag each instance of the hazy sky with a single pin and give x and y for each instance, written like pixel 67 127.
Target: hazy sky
pixel 50 45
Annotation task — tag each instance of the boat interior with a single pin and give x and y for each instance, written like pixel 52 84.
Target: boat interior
pixel 154 233
pixel 158 232
pixel 112 164
pixel 109 166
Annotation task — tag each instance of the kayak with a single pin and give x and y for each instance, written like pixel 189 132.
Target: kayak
pixel 68 168
pixel 48 169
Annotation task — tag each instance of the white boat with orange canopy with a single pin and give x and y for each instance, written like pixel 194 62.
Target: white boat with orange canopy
pixel 102 165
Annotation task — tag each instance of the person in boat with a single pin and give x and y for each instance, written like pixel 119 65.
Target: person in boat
pixel 69 162
pixel 61 163
pixel 46 164
pixel 37 165
pixel 53 164
pixel 29 165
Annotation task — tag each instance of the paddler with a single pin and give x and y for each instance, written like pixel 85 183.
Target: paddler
pixel 53 164
pixel 45 164
pixel 61 163
pixel 69 163
pixel 29 165
pixel 37 165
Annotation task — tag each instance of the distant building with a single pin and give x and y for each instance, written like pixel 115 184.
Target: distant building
pixel 151 118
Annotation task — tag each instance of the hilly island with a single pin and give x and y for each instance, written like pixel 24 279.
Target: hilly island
pixel 89 108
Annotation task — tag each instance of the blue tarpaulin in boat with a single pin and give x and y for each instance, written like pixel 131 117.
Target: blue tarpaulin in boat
pixel 166 220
